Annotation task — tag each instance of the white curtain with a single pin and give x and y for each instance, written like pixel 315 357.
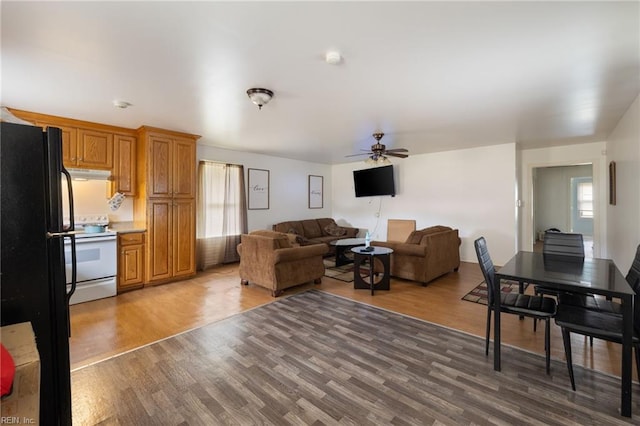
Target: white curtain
pixel 222 213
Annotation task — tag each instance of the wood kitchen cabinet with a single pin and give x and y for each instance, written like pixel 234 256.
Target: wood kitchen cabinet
pixel 69 138
pixel 130 261
pixel 88 145
pixel 124 167
pixel 166 201
pixel 172 232
pixel 94 150
pixel 172 166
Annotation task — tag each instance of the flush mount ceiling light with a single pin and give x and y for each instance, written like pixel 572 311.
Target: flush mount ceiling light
pixel 333 57
pixel 121 104
pixel 260 96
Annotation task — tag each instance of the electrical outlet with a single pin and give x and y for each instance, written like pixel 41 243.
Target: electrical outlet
pixel 376 214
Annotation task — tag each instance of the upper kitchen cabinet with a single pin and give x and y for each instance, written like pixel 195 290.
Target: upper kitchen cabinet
pixel 170 163
pixel 124 167
pixel 95 150
pixel 69 138
pixel 88 145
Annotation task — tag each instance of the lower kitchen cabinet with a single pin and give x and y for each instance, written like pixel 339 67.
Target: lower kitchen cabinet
pixel 130 261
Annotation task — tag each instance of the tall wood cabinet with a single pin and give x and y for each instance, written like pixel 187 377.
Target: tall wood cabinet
pixel 167 186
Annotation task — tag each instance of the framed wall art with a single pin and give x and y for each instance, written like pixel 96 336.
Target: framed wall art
pixel 258 189
pixel 612 183
pixel 316 192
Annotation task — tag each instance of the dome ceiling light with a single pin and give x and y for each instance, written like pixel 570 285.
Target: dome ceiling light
pixel 260 96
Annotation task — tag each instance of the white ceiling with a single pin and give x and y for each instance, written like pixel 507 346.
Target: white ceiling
pixel 433 76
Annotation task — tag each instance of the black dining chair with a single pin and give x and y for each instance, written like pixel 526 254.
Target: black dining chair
pixel 569 246
pixel 600 304
pixel 563 244
pixel 537 307
pixel 598 323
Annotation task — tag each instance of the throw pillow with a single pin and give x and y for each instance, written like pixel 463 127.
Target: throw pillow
pixel 335 230
pixel 293 239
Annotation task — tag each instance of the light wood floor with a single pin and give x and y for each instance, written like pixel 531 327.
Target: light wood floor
pixel 108 327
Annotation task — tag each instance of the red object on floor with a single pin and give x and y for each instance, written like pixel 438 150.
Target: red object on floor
pixel 7 371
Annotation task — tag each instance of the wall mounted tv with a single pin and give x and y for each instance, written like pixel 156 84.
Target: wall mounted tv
pixel 375 181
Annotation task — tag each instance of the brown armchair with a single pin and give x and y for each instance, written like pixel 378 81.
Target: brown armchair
pixel 270 260
pixel 426 254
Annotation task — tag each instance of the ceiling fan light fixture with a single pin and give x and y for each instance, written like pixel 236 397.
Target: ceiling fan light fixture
pixel 379 152
pixel 382 161
pixel 259 96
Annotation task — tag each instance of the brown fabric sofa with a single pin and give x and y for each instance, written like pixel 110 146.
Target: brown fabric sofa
pixel 426 254
pixel 268 259
pixel 314 231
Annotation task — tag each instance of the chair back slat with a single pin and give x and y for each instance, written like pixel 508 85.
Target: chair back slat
pixel 562 243
pixel 486 265
pixel 633 276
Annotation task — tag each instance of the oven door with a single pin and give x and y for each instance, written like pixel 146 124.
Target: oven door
pixel 96 258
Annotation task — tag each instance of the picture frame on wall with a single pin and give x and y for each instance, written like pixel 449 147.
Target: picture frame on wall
pixel 258 189
pixel 612 183
pixel 316 192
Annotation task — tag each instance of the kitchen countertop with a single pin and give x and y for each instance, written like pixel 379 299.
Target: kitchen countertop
pixel 126 227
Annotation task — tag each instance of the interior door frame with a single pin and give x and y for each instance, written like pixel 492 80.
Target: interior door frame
pixel 599 208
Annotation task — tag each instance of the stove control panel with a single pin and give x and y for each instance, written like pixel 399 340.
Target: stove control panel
pixel 92 219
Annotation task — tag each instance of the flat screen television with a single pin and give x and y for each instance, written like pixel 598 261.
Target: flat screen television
pixel 375 181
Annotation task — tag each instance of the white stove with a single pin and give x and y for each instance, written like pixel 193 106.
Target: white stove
pixel 96 260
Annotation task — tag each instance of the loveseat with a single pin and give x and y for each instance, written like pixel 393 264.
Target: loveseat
pixel 314 231
pixel 426 254
pixel 270 260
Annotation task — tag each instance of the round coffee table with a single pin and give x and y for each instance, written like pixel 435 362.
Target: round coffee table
pixel 342 246
pixel 363 258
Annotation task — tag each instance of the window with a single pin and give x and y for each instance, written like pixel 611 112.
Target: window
pixel 222 217
pixel 585 200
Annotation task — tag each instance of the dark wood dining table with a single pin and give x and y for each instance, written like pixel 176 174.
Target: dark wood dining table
pixel 586 276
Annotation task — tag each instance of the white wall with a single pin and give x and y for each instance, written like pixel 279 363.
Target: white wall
pixel 623 219
pixel 472 190
pixel 594 153
pixel 288 197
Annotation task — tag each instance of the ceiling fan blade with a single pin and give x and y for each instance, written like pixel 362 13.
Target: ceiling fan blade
pixel 398 150
pixel 362 153
pixel 393 154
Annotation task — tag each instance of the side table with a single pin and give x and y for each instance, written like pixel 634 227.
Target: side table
pixel 365 259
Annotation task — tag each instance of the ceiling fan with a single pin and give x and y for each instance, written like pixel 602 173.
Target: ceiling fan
pixel 379 151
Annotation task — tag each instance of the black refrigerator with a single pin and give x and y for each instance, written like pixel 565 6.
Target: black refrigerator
pixel 32 269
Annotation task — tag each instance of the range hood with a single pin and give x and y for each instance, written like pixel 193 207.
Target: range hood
pixel 89 174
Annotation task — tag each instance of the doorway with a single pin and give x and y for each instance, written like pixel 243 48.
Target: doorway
pixel 563 199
